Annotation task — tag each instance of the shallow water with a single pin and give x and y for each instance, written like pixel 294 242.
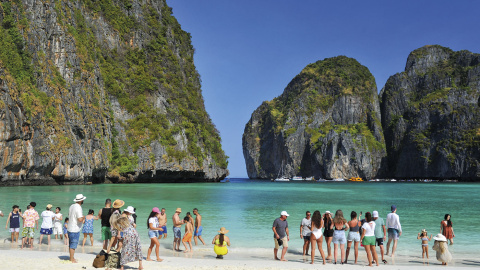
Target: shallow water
pixel 248 207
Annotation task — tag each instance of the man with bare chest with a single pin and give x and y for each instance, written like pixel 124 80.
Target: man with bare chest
pixel 198 227
pixel 177 229
pixel 162 221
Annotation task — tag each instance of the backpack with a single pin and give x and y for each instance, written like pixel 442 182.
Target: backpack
pixel 113 260
pixel 99 261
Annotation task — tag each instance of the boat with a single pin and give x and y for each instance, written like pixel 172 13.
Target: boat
pixel 297 178
pixel 280 177
pixel 355 179
pixel 338 180
pixel 311 178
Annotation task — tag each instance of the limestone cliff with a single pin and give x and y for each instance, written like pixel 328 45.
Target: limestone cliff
pixel 431 115
pixel 326 124
pixel 101 90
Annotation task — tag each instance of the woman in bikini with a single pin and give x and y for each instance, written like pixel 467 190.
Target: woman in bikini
pixel 353 235
pixel 424 236
pixel 446 228
pixel 339 225
pixel 328 232
pixel 316 236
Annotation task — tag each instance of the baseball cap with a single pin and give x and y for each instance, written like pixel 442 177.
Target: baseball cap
pixel 394 208
pixel 375 213
pixel 284 213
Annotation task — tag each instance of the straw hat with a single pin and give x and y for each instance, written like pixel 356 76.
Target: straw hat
pixel 129 210
pixel 223 231
pixel 118 203
pixel 79 198
pixel 440 237
pixel 178 210
pixel 49 206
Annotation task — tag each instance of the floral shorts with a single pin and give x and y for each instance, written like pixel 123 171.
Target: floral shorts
pixel 28 232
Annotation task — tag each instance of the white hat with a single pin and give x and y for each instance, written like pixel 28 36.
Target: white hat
pixel 129 210
pixel 440 237
pixel 79 198
pixel 327 212
pixel 284 213
pixel 375 213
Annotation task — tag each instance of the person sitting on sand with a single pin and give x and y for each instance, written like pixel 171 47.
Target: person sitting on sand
pixel 441 247
pixel 221 241
pixel 424 237
pixel 187 238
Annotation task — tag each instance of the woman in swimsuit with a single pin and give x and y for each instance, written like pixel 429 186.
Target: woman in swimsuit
pixel 316 236
pixel 353 235
pixel 328 232
pixel 221 241
pixel 424 236
pixel 339 225
pixel 446 228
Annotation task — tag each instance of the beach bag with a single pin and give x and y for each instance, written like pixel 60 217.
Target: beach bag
pixel 99 261
pixel 113 260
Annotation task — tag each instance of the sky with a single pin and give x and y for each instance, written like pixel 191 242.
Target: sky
pixel 247 51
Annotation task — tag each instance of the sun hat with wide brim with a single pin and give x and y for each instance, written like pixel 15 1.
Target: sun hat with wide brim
pixel 49 206
pixel 79 198
pixel 178 210
pixel 118 203
pixel 223 230
pixel 129 210
pixel 440 237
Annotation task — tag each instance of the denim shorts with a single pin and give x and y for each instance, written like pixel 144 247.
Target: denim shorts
pixel 177 232
pixel 153 234
pixel 73 239
pixel 392 233
pixel 353 236
pixel 339 237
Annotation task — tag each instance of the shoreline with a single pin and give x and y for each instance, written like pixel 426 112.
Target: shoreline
pixel 56 256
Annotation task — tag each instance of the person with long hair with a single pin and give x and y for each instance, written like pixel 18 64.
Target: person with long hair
pixel 153 229
pixel 87 229
pixel 339 225
pixel 316 235
pixel 353 235
pixel 368 239
pixel 221 241
pixel 328 232
pixel 441 247
pixel 446 228
pixel 132 249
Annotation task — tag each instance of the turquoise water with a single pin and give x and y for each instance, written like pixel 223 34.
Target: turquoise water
pixel 247 208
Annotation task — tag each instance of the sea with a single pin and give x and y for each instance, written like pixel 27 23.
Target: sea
pixel 247 208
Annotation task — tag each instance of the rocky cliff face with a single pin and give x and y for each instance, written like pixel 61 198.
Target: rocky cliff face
pixel 326 124
pixel 431 115
pixel 96 90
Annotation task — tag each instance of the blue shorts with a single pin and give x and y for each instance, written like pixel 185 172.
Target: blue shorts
pixel 164 230
pixel 200 229
pixel 153 234
pixel 392 233
pixel 177 232
pixel 73 239
pixel 353 236
pixel 46 231
pixel 339 237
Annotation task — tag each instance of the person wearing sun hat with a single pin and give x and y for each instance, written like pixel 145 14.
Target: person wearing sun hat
pixel 47 224
pixel 221 241
pixel 441 247
pixel 129 212
pixel 177 229
pixel 76 219
pixel 281 235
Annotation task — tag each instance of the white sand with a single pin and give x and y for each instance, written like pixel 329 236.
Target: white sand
pixel 56 257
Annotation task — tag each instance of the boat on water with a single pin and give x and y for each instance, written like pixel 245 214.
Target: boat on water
pixel 322 180
pixel 355 179
pixel 338 180
pixel 297 178
pixel 280 176
pixel 311 178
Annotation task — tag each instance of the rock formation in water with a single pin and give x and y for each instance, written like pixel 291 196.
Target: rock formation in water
pixel 101 90
pixel 431 116
pixel 326 124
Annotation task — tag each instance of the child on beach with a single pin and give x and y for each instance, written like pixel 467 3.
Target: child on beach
pixel 441 247
pixel 14 219
pixel 88 227
pixel 65 232
pixel 57 224
pixel 424 237
pixel 187 238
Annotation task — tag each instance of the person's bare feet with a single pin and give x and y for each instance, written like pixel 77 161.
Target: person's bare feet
pixel 186 251
pixel 74 261
pixel 283 260
pixel 311 263
pixel 276 258
pixel 148 259
pixel 159 260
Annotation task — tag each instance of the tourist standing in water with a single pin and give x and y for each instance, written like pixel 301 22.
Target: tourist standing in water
pixel 162 221
pixel 104 215
pixel 76 219
pixel 368 239
pixel 380 233
pixel 339 225
pixel 446 228
pixel 30 220
pixel 177 229
pixel 87 229
pixel 394 229
pixel 281 235
pixel 187 237
pixel 316 234
pixel 14 219
pixel 221 241
pixel 305 232
pixel 57 223
pixel 328 232
pixel 198 227
pixel 353 235
pixel 47 224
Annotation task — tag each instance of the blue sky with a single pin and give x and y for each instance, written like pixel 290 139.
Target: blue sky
pixel 248 51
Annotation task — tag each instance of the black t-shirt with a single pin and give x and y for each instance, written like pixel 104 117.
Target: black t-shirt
pixel 106 213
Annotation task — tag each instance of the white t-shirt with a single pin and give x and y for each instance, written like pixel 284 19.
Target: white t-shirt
pixel 74 213
pixel 369 228
pixel 154 221
pixel 58 218
pixel 393 221
pixel 306 223
pixel 47 222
